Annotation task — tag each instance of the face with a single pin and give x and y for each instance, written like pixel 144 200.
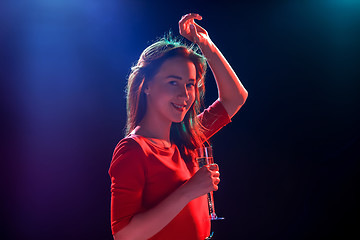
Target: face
pixel 171 92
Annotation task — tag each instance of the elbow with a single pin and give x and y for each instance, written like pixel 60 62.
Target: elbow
pixel 129 233
pixel 118 236
pixel 233 104
pixel 245 96
pixel 242 98
pixel 122 235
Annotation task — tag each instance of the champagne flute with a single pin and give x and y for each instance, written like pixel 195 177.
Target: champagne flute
pixel 204 156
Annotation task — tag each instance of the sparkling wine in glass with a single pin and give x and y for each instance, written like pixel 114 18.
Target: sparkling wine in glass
pixel 204 156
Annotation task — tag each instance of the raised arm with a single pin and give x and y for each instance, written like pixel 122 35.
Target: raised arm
pixel 232 93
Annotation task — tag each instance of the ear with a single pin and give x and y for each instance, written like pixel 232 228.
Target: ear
pixel 146 89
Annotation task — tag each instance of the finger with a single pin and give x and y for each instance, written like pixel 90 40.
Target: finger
pixel 214 167
pixel 189 16
pixel 193 33
pixel 216 174
pixel 184 28
pixel 207 169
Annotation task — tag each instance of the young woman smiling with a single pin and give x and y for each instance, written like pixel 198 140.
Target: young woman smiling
pixel 158 192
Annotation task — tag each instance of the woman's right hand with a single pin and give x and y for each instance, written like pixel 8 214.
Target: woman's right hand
pixel 205 180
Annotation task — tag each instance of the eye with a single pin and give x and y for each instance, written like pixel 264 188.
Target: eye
pixel 190 85
pixel 174 83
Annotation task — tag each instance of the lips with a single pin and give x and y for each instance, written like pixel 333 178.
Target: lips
pixel 179 107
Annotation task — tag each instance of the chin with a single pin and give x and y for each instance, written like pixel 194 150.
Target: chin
pixel 178 120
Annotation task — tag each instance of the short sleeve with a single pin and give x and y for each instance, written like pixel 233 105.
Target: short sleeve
pixel 127 173
pixel 214 118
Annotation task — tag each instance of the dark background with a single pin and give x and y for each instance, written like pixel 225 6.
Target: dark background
pixel 289 160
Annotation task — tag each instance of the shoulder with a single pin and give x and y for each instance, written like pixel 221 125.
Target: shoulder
pixel 126 145
pixel 128 153
pixel 215 113
pixel 216 109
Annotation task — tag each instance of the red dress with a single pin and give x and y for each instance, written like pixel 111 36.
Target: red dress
pixel 143 173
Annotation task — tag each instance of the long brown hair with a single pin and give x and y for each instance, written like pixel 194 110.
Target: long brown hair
pixel 188 134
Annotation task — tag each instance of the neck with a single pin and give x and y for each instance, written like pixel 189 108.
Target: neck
pixel 153 129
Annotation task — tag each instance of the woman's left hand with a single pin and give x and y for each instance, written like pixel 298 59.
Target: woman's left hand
pixel 192 31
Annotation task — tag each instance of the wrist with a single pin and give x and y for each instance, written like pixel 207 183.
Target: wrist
pixel 207 48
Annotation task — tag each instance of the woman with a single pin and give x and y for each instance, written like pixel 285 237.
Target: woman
pixel 158 192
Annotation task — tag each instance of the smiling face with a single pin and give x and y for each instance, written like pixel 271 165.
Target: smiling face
pixel 171 92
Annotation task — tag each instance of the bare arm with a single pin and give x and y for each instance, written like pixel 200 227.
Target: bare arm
pixel 147 224
pixel 232 93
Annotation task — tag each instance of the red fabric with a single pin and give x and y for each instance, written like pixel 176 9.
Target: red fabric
pixel 143 174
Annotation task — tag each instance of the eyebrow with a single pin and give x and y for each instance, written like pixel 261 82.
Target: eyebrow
pixel 174 76
pixel 179 78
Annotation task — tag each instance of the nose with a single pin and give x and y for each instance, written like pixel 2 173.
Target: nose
pixel 183 93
